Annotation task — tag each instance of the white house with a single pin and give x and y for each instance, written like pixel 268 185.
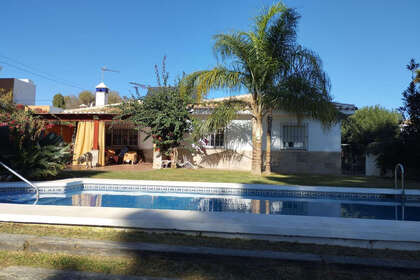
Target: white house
pixel 296 147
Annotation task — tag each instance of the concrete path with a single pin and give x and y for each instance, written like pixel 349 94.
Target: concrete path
pixel 33 273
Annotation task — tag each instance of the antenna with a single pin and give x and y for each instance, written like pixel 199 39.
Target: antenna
pixel 104 69
pixel 136 86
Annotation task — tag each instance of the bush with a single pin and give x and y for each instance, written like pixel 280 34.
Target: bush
pixel 374 130
pixel 31 152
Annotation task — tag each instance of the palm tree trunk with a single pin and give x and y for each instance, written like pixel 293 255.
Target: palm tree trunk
pixel 268 144
pixel 256 145
pixel 174 157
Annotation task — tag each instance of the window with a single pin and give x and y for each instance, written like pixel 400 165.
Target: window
pixel 216 139
pixel 295 137
pixel 122 137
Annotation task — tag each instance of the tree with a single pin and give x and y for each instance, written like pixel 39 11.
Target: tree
pixel 114 97
pixel 370 125
pixel 58 101
pixel 278 73
pixel 162 114
pixel 71 102
pixel 86 97
pixel 411 128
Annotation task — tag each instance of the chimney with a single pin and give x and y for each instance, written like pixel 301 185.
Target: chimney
pixel 101 94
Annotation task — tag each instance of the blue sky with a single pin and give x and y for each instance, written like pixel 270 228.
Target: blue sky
pixel 364 45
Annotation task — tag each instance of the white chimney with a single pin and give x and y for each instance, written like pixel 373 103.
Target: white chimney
pixel 101 95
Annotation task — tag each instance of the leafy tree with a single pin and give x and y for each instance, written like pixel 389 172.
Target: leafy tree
pixel 278 73
pixel 58 101
pixel 32 152
pixel 86 97
pixel 71 102
pixel 369 125
pixel 162 114
pixel 374 130
pixel 114 97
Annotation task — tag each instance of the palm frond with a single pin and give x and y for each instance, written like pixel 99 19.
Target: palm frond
pixel 262 21
pixel 231 45
pixel 222 115
pixel 217 78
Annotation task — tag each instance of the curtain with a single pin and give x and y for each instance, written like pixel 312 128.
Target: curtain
pixel 101 143
pixel 84 140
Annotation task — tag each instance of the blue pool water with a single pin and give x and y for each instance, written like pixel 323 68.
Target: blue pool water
pixel 388 209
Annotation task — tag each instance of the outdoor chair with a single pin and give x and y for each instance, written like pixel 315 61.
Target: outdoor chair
pixel 185 163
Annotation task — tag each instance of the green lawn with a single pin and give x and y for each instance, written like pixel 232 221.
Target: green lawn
pixel 211 175
pixel 193 267
pixel 133 235
pixel 203 268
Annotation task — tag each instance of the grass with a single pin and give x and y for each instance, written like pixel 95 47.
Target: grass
pixel 187 268
pixel 131 235
pixel 224 176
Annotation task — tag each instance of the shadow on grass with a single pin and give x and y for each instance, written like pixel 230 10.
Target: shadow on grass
pixel 175 266
pixel 66 174
pixel 203 267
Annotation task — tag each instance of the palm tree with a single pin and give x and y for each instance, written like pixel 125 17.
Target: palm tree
pixel 277 72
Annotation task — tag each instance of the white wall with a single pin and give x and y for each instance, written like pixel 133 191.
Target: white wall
pixel 239 135
pixel 324 139
pixel 370 166
pixel 319 139
pixel 145 144
pixel 24 92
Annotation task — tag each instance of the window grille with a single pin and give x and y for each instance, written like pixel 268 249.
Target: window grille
pixel 122 137
pixel 216 139
pixel 295 137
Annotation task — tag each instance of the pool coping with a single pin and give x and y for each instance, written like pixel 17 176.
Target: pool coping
pixel 327 230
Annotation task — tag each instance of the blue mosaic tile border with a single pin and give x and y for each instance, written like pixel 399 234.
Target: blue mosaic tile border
pixel 216 191
pixel 28 189
pixel 249 192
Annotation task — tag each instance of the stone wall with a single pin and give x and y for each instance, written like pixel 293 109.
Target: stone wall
pixel 306 162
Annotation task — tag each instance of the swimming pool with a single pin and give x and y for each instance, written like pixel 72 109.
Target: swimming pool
pixel 260 202
pixel 361 217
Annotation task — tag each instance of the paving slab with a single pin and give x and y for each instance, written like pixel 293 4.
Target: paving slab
pixel 34 273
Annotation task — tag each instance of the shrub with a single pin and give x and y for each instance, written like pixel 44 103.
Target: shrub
pixel 31 152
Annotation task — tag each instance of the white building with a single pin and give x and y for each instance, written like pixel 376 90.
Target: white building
pixel 296 147
pixel 23 90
